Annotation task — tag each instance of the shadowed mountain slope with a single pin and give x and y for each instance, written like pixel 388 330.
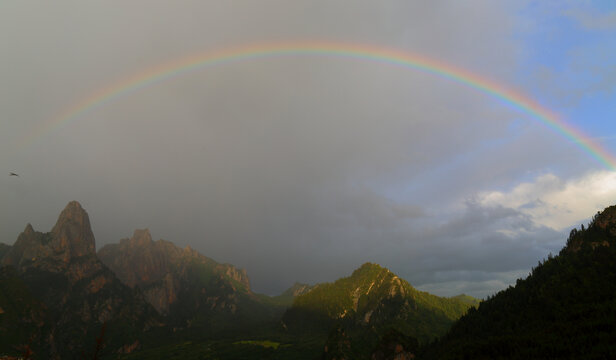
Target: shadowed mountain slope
pixel 4 248
pixel 59 275
pixel 566 307
pixel 287 297
pixel 188 288
pixel 23 318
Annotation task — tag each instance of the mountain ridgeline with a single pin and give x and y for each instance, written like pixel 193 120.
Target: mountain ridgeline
pixel 143 299
pixel 63 296
pixel 58 294
pixel 376 298
pixel 368 304
pixel 180 284
pixel 140 297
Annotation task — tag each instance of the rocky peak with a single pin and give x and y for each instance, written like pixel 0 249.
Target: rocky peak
pixel 70 238
pixel 606 220
pixel 166 273
pixel 190 252
pixel 141 237
pixel 26 249
pixel 601 232
pixel 368 268
pixel 29 230
pixel 139 260
pixel 236 274
pixel 72 234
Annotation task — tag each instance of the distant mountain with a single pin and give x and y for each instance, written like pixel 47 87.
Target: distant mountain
pixel 287 297
pixel 372 313
pixel 189 289
pixel 370 302
pixel 566 307
pixel 68 294
pixel 162 269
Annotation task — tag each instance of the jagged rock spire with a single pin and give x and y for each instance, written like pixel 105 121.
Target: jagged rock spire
pixel 141 237
pixel 72 234
pixel 71 237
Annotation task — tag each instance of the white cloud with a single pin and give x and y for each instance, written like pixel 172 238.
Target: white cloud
pixel 556 203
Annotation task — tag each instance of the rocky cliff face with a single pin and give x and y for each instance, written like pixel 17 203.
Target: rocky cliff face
pixel 601 232
pixel 606 220
pixel 167 274
pixel 72 235
pixel 61 270
pixel 139 261
pixel 71 238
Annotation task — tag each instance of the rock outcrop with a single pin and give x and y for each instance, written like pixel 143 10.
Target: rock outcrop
pixel 70 239
pixel 602 229
pixel 72 235
pixel 167 274
pixel 79 292
pixel 139 261
pixel 606 220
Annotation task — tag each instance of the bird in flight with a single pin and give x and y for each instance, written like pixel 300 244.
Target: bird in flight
pixel 13 174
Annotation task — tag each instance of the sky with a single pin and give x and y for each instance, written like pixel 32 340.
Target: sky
pixel 304 166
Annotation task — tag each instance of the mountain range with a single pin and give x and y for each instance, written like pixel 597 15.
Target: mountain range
pixel 143 299
pixel 66 293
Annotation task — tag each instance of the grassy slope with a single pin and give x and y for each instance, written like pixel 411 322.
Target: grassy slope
pixel 376 294
pixel 368 304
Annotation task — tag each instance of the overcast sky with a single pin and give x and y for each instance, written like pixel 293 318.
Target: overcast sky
pixel 301 168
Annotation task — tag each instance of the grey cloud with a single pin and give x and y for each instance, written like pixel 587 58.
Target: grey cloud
pixel 296 168
pixel 456 255
pixel 476 284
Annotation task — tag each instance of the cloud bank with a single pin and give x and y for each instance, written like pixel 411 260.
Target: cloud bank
pixel 297 169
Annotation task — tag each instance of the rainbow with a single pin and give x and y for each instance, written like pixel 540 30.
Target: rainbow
pixel 402 59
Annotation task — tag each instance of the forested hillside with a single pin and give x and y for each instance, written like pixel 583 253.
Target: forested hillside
pixel 566 307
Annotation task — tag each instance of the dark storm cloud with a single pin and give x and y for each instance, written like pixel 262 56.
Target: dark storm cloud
pixel 298 169
pixel 479 248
